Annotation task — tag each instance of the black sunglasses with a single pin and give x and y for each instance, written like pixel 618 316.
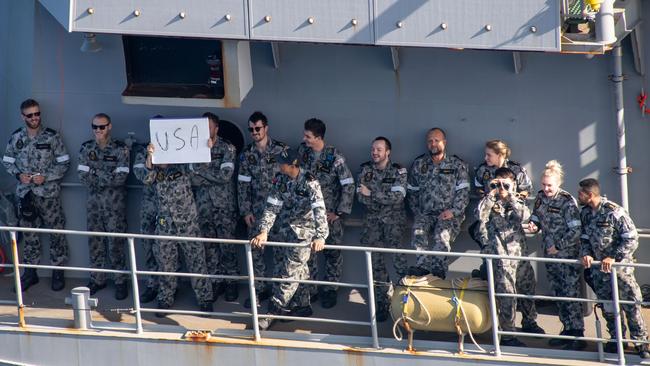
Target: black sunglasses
pixel 256 129
pixel 37 114
pixel 100 127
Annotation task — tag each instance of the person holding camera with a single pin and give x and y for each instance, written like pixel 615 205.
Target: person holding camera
pixel 36 156
pixel 501 214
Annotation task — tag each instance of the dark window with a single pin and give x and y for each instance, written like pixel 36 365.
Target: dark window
pixel 173 67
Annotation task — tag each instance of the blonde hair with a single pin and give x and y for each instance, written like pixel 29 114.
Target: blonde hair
pixel 499 147
pixel 553 168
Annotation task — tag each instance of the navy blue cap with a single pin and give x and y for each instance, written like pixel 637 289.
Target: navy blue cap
pixel 287 156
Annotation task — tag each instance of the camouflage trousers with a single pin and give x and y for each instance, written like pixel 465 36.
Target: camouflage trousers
pixel 505 281
pixel 166 253
pixel 526 285
pixel 259 263
pixel 565 282
pixel 50 216
pixel 442 234
pixel 148 227
pixel 220 258
pixel 333 260
pixel 628 289
pixel 287 295
pixel 102 219
pixel 377 233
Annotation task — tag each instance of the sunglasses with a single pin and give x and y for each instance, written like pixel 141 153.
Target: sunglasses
pixel 505 186
pixel 37 114
pixel 99 127
pixel 256 129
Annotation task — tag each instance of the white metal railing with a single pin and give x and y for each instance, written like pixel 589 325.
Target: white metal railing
pixel 372 323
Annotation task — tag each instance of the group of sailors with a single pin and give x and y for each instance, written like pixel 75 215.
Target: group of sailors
pixel 300 196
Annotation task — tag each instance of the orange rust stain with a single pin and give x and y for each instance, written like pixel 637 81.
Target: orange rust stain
pixel 21 316
pixel 354 357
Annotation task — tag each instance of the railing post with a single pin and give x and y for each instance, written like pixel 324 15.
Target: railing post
pixel 251 289
pixel 371 300
pixel 493 308
pixel 19 291
pixel 134 284
pixel 617 317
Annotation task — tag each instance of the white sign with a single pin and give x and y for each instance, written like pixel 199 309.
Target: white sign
pixel 179 141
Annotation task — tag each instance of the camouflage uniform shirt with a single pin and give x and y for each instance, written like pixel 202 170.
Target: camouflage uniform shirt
pixel 43 153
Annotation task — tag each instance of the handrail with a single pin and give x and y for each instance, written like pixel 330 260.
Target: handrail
pixel 372 323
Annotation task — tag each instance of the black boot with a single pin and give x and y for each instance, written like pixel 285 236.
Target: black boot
pixel 94 287
pixel 148 295
pixel 265 323
pixel 578 344
pixel 328 299
pixel 121 291
pixel 417 271
pixel 28 279
pixel 260 296
pixel 232 291
pixel 557 342
pixel 58 280
pixel 217 290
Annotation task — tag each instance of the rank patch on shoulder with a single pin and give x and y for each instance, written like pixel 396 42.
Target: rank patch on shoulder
pixel 270 160
pixel 367 177
pixel 283 188
pixel 92 155
pixel 160 176
pixel 19 144
pixel 538 203
pixel 423 169
pixel 486 177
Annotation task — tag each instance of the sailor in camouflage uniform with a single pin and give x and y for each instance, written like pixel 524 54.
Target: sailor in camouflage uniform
pixel 257 167
pixel 438 193
pixel 382 189
pixel 556 214
pixel 501 214
pixel 214 192
pixel 103 168
pixel 497 154
pixel 176 216
pixel 296 199
pixel 148 212
pixel 609 235
pixel 328 165
pixel 36 156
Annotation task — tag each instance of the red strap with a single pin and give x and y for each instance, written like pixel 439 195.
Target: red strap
pixel 641 99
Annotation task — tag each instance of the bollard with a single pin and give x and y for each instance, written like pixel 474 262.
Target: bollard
pixel 81 305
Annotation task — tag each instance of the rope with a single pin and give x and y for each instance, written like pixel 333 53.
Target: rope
pixel 458 301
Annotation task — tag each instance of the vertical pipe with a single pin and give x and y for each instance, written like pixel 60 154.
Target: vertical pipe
pixel 251 289
pixel 136 289
pixel 493 308
pixel 617 79
pixel 617 318
pixel 19 292
pixel 371 299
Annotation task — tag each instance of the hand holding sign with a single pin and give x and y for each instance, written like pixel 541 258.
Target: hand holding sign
pixel 178 141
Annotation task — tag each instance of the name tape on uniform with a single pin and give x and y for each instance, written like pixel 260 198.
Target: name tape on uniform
pixel 179 141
